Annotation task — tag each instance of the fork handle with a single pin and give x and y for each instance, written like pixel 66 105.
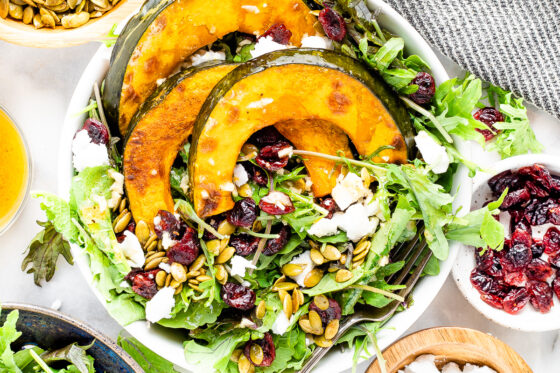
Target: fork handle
pixel 320 352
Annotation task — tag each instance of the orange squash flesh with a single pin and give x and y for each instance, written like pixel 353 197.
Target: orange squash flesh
pixel 156 138
pixel 298 91
pixel 185 26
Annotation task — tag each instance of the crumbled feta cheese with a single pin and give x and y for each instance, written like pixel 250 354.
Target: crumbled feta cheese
pixel 266 45
pixel 204 56
pixel 157 220
pixel 165 266
pixel 356 222
pixel 304 259
pixel 247 323
pixel 384 261
pixel 319 42
pixel 86 153
pixel 426 364
pixel 166 241
pixel 132 250
pixel 281 324
pixel 278 199
pixel 260 103
pixel 101 202
pixel 240 175
pixel 349 189
pixel 435 155
pixel 116 188
pixel 239 265
pixel 451 368
pixel 160 306
pixel 286 152
pixel 251 8
pixel 56 304
pixel 323 227
pixel 372 206
pixel 184 185
pixel 469 368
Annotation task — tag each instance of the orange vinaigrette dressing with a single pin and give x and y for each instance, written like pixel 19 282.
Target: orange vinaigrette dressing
pixel 14 170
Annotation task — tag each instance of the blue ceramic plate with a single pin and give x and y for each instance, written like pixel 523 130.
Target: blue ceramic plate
pixel 51 330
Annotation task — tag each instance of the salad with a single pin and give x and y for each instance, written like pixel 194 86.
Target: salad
pixel 265 177
pixel 32 358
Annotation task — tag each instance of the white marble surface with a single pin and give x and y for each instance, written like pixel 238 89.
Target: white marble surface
pixel 36 86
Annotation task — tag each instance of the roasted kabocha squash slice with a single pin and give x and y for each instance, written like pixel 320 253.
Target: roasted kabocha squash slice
pixel 294 84
pixel 158 131
pixel 165 32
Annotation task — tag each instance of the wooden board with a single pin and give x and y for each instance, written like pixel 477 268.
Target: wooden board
pixel 460 345
pixel 96 29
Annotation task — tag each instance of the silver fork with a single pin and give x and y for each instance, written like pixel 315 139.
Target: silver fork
pixel 412 251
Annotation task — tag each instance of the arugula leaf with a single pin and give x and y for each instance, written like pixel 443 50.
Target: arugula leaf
pixel 194 315
pixel 73 354
pixel 148 360
pixel 43 253
pixel 59 213
pixel 8 334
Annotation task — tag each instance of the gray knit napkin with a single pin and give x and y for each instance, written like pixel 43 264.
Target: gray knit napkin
pixel 512 43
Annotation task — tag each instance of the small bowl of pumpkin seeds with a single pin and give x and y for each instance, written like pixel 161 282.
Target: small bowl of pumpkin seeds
pixel 61 23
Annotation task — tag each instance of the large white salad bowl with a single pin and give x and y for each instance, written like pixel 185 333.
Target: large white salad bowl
pixel 169 343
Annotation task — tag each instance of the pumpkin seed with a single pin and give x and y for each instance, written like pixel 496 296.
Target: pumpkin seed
pixel 292 269
pixel 152 246
pixel 96 14
pixel 321 302
pixel 193 274
pixel 122 204
pixel 287 286
pixel 321 341
pixel 203 278
pixel 168 279
pixel 101 3
pixel 178 289
pixel 28 14
pixel 53 2
pixel 198 263
pixel 226 228
pixel 244 365
pixel 195 287
pixel 178 272
pixel 72 4
pixel 257 226
pixel 15 11
pixel 256 353
pixel 305 325
pixel 18 2
pixel 360 256
pixel 245 190
pixel 317 257
pixel 313 278
pixel 366 177
pixel 174 284
pixel 225 255
pixel 160 278
pixel 30 3
pixel 343 275
pixel 332 329
pixel 357 264
pixel 150 240
pixel 235 355
pixel 301 299
pixel 333 268
pixel 194 281
pixel 81 5
pixel 142 230
pixel 213 246
pixel 315 322
pixel 343 258
pixel 363 245
pixel 4 8
pixel 160 245
pixel 287 306
pixel 261 310
pixel 282 294
pixel 295 301
pixel 157 254
pixel 221 274
pixel 330 252
pixel 153 263
pixel 279 280
pixel 61 8
pixel 223 243
pixel 249 148
pixel 122 221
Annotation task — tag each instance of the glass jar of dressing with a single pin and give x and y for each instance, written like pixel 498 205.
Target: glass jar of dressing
pixel 15 171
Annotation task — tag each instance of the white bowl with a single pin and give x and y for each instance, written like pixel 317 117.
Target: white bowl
pixel 168 343
pixel 528 319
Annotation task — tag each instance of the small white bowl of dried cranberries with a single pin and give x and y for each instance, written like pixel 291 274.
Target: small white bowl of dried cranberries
pixel 519 286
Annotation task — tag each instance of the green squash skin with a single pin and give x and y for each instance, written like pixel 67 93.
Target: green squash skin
pixel 122 52
pixel 164 89
pixel 318 57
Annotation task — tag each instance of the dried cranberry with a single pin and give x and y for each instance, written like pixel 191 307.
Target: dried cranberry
pixel 97 132
pixel 493 300
pixel 556 286
pixel 244 244
pixel 276 203
pixel 144 283
pixel 539 270
pixel 269 351
pixel 515 198
pixel 426 88
pixel 519 221
pixel 214 222
pixel 331 313
pixel 133 272
pixel 554 215
pixel 537 248
pixel 330 205
pixel 503 180
pixel 488 116
pixel 167 222
pixel 130 227
pixel 186 250
pixel 484 260
pixel 537 211
pixel 238 296
pixel 517 258
pixel 554 260
pixel 274 245
pixel 243 213
pixel 521 237
pixel 518 279
pixel 539 174
pixel 333 24
pixel 266 136
pixel 541 295
pixel 481 281
pixel 551 241
pixel 515 300
pixel 279 34
pixel 274 157
pixel 536 190
pixel 257 174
